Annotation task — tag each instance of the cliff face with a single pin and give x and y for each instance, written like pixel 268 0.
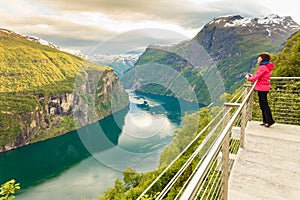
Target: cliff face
pixel 100 95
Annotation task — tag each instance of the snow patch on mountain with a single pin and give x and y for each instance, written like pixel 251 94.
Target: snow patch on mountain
pixel 271 20
pixel 108 59
pixel 78 53
pixel 270 33
pixel 238 22
pixel 41 41
pixel 121 63
pixel 6 31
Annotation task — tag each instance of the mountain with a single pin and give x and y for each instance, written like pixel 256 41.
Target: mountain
pixel 121 63
pixel 223 35
pixel 78 53
pixel 214 61
pixel 45 92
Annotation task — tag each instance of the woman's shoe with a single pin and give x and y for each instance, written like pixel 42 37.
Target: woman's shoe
pixel 268 125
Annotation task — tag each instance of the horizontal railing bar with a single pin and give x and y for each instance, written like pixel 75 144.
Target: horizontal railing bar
pixel 289 112
pixel 287 103
pixel 288 99
pixel 232 104
pixel 289 117
pixel 284 78
pixel 286 107
pixel 291 92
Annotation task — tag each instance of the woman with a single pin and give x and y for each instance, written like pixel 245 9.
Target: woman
pixel 262 76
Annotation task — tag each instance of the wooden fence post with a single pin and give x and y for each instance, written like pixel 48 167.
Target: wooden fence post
pixel 225 156
pixel 251 105
pixel 244 117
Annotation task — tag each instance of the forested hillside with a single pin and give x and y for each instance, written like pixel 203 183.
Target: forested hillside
pixel 287 62
pixel 231 42
pixel 43 89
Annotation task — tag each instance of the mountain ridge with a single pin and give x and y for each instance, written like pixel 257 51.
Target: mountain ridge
pixel 121 63
pixel 232 43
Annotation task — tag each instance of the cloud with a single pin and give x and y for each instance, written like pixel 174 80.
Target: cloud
pixel 186 13
pixel 137 40
pixel 84 23
pixel 54 27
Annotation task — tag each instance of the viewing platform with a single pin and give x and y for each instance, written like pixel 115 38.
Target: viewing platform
pixel 239 159
pixel 268 165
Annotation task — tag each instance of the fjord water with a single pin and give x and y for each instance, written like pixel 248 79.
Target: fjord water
pixel 86 162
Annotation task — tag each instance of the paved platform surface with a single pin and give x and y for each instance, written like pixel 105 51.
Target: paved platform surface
pixel 268 168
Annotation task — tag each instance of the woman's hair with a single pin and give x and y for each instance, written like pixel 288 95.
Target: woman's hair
pixel 265 56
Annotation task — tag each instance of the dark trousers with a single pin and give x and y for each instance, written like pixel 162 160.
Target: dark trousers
pixel 264 106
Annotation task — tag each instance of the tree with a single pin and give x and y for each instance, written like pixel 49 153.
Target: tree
pixel 9 188
pixel 116 192
pixel 131 178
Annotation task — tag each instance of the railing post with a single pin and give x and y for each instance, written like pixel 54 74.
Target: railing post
pixel 251 105
pixel 244 116
pixel 225 156
pixel 226 114
pixel 225 167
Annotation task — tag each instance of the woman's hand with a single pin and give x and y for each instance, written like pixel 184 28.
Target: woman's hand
pixel 248 75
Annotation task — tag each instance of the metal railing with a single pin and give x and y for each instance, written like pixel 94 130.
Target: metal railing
pixel 206 161
pixel 284 100
pixel 211 179
pixel 210 163
pixel 209 131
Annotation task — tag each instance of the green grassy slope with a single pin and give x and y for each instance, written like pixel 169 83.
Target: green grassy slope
pixel 27 65
pixel 31 75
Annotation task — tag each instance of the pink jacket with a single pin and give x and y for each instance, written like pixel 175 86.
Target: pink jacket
pixel 262 76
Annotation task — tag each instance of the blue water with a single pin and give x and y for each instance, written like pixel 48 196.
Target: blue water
pixel 86 162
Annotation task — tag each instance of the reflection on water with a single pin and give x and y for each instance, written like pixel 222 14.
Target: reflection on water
pixel 38 162
pixel 171 107
pixel 87 161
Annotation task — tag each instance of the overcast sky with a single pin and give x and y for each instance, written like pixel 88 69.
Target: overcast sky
pixel 86 24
